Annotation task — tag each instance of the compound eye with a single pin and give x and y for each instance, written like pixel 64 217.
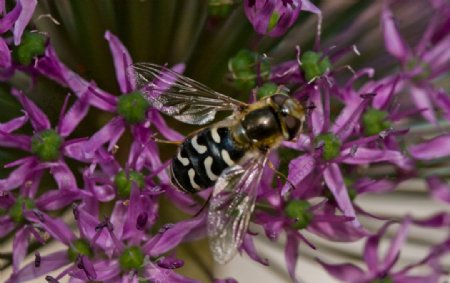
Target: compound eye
pixel 292 126
pixel 279 99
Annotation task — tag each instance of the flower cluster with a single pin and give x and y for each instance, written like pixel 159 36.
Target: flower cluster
pixel 94 179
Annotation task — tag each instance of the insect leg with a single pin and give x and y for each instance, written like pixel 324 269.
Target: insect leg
pixel 158 140
pixel 271 166
pixel 204 204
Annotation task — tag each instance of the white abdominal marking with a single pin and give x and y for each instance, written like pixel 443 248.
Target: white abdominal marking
pixel 208 163
pixel 226 157
pixel 183 160
pixel 191 174
pixel 198 147
pixel 215 135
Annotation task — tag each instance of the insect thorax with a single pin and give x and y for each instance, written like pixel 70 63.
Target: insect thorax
pixel 259 128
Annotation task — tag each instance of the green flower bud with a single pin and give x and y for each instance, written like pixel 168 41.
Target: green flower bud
pixel 299 211
pixel 266 90
pixel 131 258
pixel 243 68
pixel 133 107
pixel 311 65
pixel 79 247
pixel 46 145
pixel 331 146
pixel 273 21
pixel 375 121
pixel 16 211
pixel 31 46
pixel 123 182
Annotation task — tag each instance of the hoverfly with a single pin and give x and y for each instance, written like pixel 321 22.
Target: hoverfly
pixel 229 155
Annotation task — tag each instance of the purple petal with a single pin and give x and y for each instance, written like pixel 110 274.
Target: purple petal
pixel 440 220
pixel 87 225
pixel 5 54
pixel 396 244
pixel 20 246
pixel 299 168
pixel 348 119
pixel 443 100
pixel 136 206
pixel 19 175
pixel 28 7
pixel 175 235
pixel 386 89
pixel 170 262
pixel 439 189
pixel 393 42
pixel 119 218
pixel 310 7
pixel 249 247
pixel 38 119
pixel 53 68
pixel 7 22
pixel 55 227
pixel 371 253
pixel 105 271
pixel 75 149
pixel 15 141
pixel 291 254
pixel 63 176
pixel 367 185
pixel 54 200
pixel 286 72
pixel 74 116
pixel 259 14
pixel 161 125
pixel 122 60
pixel 154 273
pixel 334 227
pixel 273 225
pixel 49 263
pixel 111 132
pixel 432 149
pixel 13 124
pixel 335 182
pixel 421 98
pixel 346 272
pixel 369 156
pixel 317 115
pixel 7 225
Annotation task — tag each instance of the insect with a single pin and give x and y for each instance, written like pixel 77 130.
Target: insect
pixel 229 155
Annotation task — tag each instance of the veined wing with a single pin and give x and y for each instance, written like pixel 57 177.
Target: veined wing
pixel 231 206
pixel 181 97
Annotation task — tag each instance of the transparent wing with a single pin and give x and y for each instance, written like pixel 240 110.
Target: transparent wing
pixel 231 206
pixel 180 97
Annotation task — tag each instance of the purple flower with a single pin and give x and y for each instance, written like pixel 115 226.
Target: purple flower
pixel 380 269
pixel 422 64
pixel 48 145
pixel 123 239
pixel 275 17
pixel 292 216
pixel 329 145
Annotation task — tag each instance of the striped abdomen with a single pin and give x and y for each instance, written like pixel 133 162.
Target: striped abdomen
pixel 201 159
